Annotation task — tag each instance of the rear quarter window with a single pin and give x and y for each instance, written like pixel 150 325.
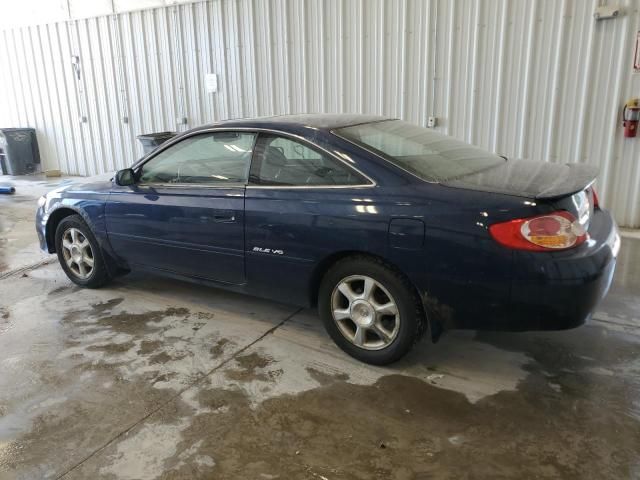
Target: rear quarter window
pixel 421 151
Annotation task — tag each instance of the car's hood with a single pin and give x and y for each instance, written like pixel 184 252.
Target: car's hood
pixel 95 184
pixel 531 179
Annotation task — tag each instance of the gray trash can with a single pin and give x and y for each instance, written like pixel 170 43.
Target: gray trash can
pixel 19 153
pixel 150 141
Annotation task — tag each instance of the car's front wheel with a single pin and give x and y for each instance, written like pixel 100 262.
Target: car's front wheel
pixel 79 253
pixel 370 310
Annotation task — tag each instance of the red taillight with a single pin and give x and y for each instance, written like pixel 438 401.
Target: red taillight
pixel 544 226
pixel 555 231
pixel 596 203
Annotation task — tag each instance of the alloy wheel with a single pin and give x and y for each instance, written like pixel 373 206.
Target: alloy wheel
pixel 365 312
pixel 77 253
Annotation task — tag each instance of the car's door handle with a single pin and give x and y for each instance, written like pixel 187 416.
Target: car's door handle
pixel 224 217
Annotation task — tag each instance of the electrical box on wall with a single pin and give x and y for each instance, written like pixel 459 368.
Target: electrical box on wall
pixel 607 11
pixel 211 82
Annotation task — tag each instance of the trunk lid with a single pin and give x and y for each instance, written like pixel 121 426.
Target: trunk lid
pixel 530 179
pixel 580 205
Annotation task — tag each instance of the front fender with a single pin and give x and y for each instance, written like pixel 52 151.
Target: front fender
pixel 91 207
pixel 92 212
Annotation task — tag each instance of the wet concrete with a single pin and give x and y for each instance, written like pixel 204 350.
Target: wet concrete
pixel 17 240
pixel 153 378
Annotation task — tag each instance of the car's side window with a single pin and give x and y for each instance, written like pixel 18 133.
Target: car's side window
pixel 207 158
pixel 287 162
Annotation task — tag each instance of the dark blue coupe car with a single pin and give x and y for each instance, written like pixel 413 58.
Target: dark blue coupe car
pixel 389 228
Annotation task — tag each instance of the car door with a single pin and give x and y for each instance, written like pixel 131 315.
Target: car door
pixel 185 213
pixel 302 204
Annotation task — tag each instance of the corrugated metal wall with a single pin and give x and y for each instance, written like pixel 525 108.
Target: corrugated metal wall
pixel 529 79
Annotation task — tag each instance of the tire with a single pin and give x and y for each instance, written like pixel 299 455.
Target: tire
pixel 82 253
pixel 365 324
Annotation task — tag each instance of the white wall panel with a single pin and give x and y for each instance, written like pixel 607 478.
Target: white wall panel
pixel 535 79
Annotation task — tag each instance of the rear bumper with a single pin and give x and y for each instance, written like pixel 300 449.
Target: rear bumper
pixel 560 290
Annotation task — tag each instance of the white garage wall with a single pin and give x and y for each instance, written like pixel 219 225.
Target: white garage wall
pixel 529 79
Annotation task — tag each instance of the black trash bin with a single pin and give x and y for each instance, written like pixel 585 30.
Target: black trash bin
pixel 150 141
pixel 19 153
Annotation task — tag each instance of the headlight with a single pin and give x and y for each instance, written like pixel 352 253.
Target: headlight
pixel 41 201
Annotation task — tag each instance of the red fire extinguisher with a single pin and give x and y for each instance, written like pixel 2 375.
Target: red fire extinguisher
pixel 630 117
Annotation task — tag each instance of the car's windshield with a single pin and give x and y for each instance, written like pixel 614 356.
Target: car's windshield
pixel 421 151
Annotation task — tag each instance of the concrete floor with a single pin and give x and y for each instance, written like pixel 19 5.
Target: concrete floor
pixel 152 378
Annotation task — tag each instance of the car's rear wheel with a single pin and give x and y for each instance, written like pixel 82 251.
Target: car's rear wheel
pixel 79 253
pixel 370 310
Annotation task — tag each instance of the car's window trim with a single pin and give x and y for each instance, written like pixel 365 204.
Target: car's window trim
pixel 138 165
pixel 229 185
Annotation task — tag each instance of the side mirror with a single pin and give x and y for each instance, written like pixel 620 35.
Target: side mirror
pixel 125 177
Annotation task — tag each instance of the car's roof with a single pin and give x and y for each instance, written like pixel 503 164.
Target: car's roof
pixel 324 121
